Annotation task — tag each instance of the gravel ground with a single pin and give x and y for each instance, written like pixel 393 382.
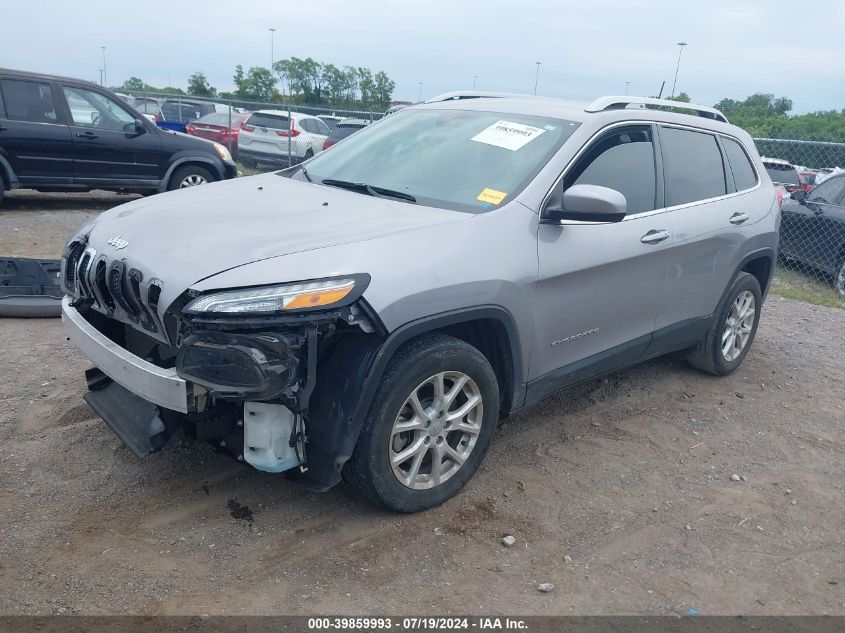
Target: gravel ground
pixel 621 493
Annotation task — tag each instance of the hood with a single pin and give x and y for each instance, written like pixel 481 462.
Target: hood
pixel 185 236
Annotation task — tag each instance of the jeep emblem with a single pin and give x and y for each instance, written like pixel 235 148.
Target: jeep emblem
pixel 118 242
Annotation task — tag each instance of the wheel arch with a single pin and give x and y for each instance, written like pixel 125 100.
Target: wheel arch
pixel 199 161
pixel 761 264
pixel 358 364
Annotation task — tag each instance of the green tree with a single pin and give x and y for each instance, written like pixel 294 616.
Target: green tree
pixel 382 90
pixel 258 84
pixel 366 85
pixel 133 84
pixel 198 85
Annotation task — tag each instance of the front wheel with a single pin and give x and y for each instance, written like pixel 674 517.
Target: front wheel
pixel 189 176
pixel 732 330
pixel 431 423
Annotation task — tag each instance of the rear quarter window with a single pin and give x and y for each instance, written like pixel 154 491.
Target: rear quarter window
pixel 743 172
pixel 692 166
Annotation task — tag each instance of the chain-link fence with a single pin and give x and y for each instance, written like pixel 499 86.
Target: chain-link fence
pixel 810 175
pixel 260 136
pixel 810 179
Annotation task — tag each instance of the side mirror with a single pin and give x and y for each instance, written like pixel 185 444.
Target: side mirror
pixel 800 196
pixel 587 203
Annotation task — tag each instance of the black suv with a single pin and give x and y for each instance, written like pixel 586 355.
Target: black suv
pixel 60 134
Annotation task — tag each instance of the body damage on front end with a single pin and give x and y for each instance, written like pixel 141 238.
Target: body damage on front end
pixel 249 379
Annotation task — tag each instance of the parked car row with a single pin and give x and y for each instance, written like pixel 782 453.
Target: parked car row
pixel 62 134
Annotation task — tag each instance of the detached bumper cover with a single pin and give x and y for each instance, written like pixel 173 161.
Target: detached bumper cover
pixel 154 384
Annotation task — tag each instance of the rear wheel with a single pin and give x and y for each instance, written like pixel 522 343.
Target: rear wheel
pixel 732 330
pixel 189 176
pixel 432 421
pixel 309 153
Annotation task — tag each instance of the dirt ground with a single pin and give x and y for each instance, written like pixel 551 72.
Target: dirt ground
pixel 619 492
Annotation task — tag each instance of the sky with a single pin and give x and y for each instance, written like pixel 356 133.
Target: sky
pixel 587 48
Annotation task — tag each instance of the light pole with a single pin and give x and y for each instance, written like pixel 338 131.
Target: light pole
pixel 272 55
pixel 474 79
pixel 680 50
pixel 420 99
pixel 536 77
pixel 627 83
pixel 105 79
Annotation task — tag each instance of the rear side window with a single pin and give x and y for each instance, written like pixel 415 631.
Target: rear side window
pixel 28 101
pixel 692 166
pixel 782 174
pixel 273 121
pixel 622 160
pixel 744 175
pixel 2 107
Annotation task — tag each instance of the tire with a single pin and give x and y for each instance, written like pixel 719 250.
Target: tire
pixel 183 176
pixel 309 153
pixel 708 355
pixel 415 370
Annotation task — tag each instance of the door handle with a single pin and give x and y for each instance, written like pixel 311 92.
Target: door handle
pixel 90 135
pixel 654 236
pixel 738 218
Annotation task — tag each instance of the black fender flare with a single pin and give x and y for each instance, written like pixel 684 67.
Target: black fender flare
pixel 347 384
pixel 176 164
pixel 7 174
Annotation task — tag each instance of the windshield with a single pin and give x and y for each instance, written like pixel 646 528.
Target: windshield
pixel 455 159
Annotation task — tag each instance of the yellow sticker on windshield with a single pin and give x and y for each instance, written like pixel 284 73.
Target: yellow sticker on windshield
pixel 491 195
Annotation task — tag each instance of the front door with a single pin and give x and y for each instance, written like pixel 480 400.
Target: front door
pixel 109 151
pixel 600 285
pixel 33 136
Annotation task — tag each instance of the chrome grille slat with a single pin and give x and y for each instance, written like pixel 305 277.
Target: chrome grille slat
pixel 115 290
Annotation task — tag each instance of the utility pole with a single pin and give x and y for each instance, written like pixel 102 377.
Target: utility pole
pixel 627 83
pixel 420 99
pixel 536 77
pixel 105 78
pixel 474 79
pixel 680 50
pixel 272 42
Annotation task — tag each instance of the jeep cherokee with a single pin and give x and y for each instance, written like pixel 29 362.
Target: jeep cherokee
pixel 372 313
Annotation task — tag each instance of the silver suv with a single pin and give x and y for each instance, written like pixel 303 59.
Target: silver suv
pixel 372 313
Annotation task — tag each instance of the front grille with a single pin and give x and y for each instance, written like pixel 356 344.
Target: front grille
pixel 113 288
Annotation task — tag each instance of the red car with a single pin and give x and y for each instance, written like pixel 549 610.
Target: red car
pixel 220 127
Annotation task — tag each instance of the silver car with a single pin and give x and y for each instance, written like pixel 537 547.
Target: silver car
pixel 373 312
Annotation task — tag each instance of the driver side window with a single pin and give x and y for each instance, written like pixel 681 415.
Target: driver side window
pixel 93 110
pixel 622 159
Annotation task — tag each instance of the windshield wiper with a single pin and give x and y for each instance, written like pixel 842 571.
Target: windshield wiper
pixel 362 187
pixel 305 173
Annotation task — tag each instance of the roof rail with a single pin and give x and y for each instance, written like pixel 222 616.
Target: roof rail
pixel 468 94
pixel 618 103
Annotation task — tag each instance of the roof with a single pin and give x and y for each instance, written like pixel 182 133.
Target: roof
pixel 45 77
pixel 293 113
pixel 352 122
pixel 607 109
pixel 775 161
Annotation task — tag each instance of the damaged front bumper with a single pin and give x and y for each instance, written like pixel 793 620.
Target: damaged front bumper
pixel 160 386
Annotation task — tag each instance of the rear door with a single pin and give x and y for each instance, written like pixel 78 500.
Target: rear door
pixel 34 138
pixel 712 221
pixel 600 285
pixel 108 150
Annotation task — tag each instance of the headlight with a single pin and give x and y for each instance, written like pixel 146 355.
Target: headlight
pixel 223 153
pixel 282 298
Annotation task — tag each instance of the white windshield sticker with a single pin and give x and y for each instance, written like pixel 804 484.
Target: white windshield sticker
pixel 508 135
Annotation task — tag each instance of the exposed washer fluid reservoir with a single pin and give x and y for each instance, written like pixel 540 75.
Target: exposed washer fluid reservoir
pixel 268 429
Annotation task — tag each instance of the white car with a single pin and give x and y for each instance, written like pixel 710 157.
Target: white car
pixel 270 137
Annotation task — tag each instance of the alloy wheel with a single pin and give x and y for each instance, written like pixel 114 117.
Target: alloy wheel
pixel 192 180
pixel 738 326
pixel 436 430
